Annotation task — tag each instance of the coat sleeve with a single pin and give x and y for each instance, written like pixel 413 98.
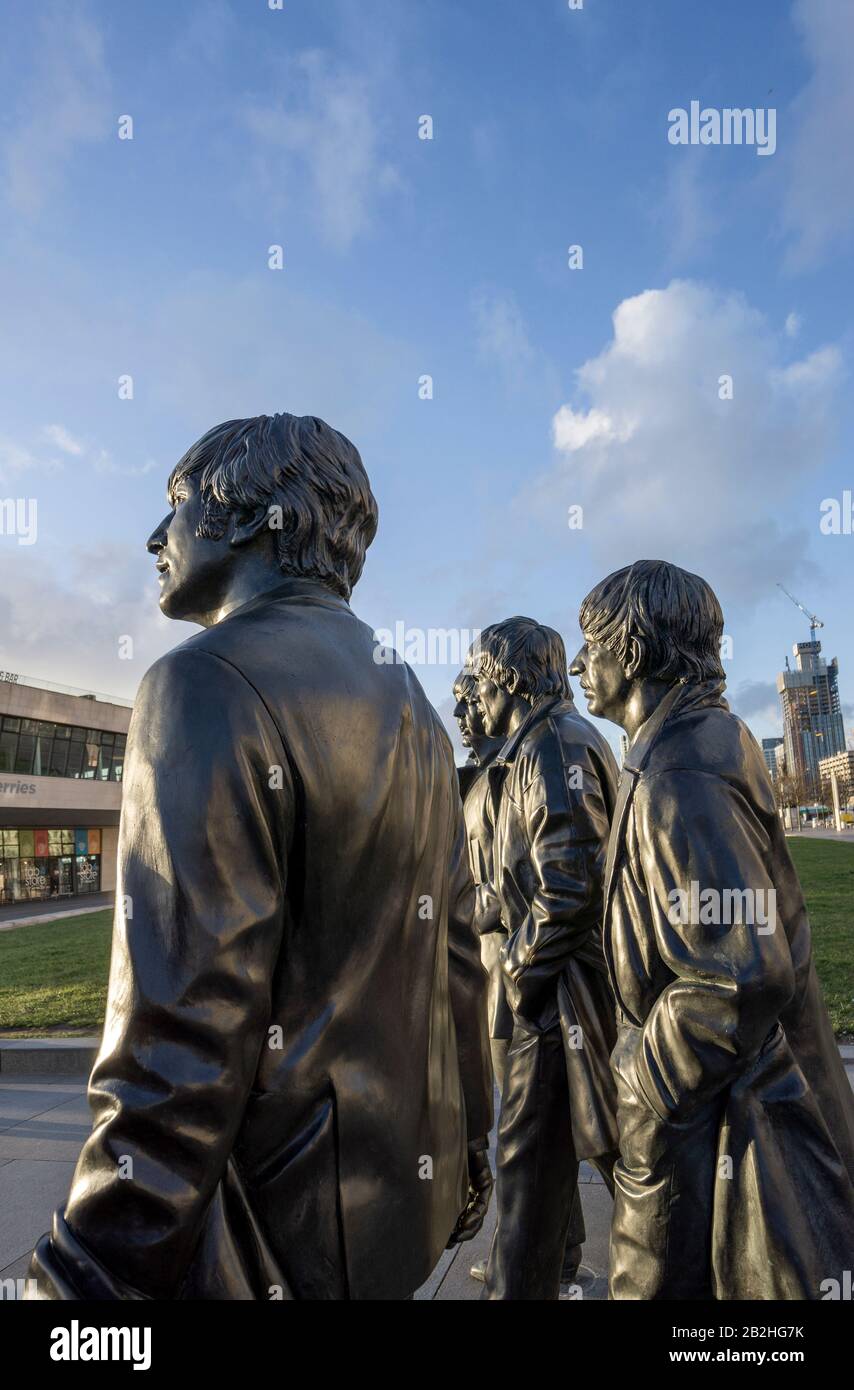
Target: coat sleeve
pixel 468 984
pixel 198 926
pixel 566 823
pixel 729 981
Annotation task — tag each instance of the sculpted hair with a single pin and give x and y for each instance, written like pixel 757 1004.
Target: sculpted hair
pixel 672 615
pixel 326 514
pixel 534 652
pixel 465 687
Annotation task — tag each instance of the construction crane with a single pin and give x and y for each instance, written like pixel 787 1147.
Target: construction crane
pixel 814 621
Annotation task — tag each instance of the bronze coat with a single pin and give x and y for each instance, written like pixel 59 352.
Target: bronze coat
pixel 487 918
pixel 551 839
pixel 726 1015
pixel 280 1058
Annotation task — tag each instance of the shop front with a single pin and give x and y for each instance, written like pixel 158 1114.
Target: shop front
pixel 37 865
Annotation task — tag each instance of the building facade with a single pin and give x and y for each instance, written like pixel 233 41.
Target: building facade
pixel 61 762
pixel 769 753
pixel 813 727
pixel 843 765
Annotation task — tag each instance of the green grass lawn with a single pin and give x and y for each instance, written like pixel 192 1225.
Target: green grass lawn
pixel 54 977
pixel 826 870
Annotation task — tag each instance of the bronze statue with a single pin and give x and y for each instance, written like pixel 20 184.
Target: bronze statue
pixel 736 1119
pixel 476 809
pixel 552 792
pixel 295 1054
pixel 474 789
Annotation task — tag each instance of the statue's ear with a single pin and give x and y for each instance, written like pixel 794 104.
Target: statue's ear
pixel 250 525
pixel 635 658
pixel 513 682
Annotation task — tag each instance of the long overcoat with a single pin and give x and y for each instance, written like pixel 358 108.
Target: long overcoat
pixel 725 1043
pixel 295 1048
pixel 554 786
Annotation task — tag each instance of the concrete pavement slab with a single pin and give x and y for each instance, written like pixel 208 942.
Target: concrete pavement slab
pixel 58 1133
pixel 22 1099
pixel 30 1189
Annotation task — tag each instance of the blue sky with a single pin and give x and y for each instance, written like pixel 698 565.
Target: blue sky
pixel 595 387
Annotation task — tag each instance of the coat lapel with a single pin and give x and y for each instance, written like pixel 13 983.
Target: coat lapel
pixel 634 764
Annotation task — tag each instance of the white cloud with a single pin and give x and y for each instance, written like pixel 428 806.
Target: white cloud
pixel 793 325
pixel 325 139
pixel 575 429
pixel 66 104
pixel 666 468
pixel 819 200
pixel 59 435
pixel 820 369
pixel 106 595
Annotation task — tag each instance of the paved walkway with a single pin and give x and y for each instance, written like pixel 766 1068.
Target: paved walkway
pixel 847 834
pixel 44 1121
pixel 26 914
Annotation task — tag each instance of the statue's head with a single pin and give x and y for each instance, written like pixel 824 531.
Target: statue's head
pixel 467 712
pixel 277 493
pixel 650 622
pixel 517 662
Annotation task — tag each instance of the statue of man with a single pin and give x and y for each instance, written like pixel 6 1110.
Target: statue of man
pixel 736 1119
pixel 293 1086
pixel 553 787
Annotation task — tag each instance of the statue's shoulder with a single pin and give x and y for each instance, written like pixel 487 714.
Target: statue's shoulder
pixel 192 666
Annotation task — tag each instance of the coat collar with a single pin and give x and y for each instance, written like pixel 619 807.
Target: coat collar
pixel 292 587
pixel 537 712
pixel 678 700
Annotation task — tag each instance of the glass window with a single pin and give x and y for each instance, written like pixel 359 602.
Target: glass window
pixel 44 749
pixel 54 839
pixel 8 749
pixel 75 759
pixel 67 841
pixel 10 844
pixel 58 758
pixel 88 873
pixel 41 762
pixel 26 753
pixel 34 878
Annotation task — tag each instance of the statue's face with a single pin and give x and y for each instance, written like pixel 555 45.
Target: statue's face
pixel 469 717
pixel 461 714
pixel 496 706
pixel 603 680
pixel 193 572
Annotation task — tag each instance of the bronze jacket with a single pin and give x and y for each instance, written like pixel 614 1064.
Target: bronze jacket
pixel 554 786
pixel 724 1010
pixel 295 1046
pixel 477 810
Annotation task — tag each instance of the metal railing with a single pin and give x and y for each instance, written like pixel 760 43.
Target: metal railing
pixel 14 678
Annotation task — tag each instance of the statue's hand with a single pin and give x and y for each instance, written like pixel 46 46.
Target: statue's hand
pixel 481 1183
